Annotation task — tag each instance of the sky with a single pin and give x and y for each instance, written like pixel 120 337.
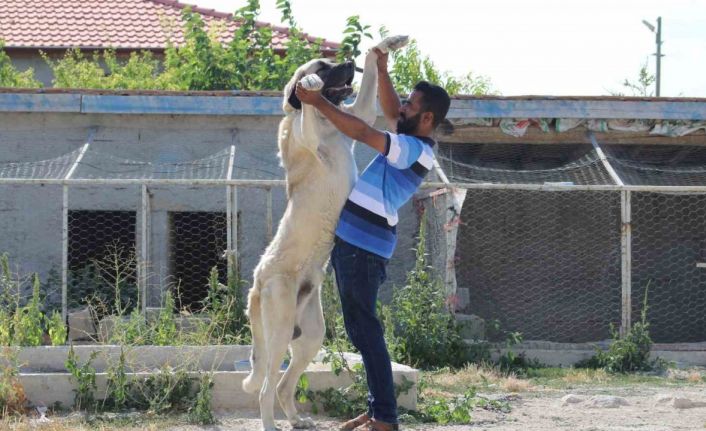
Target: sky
pixel 528 47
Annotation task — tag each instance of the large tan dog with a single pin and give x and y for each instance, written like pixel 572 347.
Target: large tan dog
pixel 284 304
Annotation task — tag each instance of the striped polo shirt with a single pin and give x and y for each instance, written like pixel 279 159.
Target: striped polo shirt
pixel 369 217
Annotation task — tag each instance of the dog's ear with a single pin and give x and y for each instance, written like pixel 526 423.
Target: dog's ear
pixel 293 100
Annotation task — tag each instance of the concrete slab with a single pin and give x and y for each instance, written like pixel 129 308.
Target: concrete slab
pixel 46 380
pixel 567 354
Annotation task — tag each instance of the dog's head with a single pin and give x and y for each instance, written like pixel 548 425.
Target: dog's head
pixel 337 82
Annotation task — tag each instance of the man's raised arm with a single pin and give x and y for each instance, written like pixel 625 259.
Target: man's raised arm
pixel 348 124
pixel 389 100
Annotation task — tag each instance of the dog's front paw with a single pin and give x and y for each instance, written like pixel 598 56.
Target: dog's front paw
pixel 312 82
pixel 303 423
pixel 392 43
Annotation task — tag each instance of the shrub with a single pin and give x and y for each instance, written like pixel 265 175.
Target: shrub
pixel 11 77
pixel 629 353
pixel 27 321
pixel 200 413
pixel 12 394
pixel 85 379
pixel 420 331
pixel 56 328
pixel 165 330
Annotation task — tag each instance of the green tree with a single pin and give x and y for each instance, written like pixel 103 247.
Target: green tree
pixel 353 35
pixel 11 77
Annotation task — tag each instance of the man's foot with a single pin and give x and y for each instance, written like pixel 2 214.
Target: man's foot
pixel 374 425
pixel 355 423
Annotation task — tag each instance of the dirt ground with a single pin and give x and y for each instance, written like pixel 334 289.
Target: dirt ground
pixel 536 404
pixel 543 410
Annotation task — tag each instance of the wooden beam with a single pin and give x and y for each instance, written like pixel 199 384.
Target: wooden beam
pixel 493 135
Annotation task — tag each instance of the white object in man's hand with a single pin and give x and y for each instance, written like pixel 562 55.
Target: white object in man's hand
pixel 312 82
pixel 392 43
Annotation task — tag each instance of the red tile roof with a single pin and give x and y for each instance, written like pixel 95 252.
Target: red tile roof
pixel 120 24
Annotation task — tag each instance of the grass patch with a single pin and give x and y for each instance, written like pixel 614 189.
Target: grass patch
pixel 486 378
pixel 489 379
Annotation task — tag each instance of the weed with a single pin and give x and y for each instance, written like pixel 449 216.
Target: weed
pixel 225 306
pixel 118 384
pixel 457 410
pixel 85 379
pixel 629 353
pixel 200 413
pixel 165 330
pixel 420 331
pixel 164 391
pixel 27 321
pixel 12 395
pixel 56 328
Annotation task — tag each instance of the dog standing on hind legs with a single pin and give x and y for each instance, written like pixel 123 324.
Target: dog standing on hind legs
pixel 284 304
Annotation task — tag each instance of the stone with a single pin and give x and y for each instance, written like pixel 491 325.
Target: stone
pixel 677 402
pixel 686 403
pixel 471 326
pixel 81 326
pixel 607 401
pixel 571 399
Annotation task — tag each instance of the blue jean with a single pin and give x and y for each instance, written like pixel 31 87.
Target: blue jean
pixel 359 275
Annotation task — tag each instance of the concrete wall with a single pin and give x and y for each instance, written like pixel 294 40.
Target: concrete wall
pixel 30 222
pixel 23 60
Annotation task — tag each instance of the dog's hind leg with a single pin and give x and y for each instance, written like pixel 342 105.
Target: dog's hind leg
pixel 307 339
pixel 258 357
pixel 278 312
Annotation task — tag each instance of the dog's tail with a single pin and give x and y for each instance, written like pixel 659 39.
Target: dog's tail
pixel 258 360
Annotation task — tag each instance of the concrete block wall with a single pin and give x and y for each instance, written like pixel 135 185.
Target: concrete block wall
pixel 30 225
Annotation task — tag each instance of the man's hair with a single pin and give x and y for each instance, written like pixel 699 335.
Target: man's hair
pixel 435 100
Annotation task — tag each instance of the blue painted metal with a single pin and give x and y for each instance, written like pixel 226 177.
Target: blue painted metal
pixel 37 102
pixel 182 105
pixel 587 108
pixel 260 105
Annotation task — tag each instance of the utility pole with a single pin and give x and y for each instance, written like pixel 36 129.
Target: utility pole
pixel 658 40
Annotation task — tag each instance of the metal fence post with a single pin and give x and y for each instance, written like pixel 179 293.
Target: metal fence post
pixel 269 214
pixel 64 253
pixel 231 219
pixel 626 253
pixel 65 225
pixel 232 233
pixel 143 262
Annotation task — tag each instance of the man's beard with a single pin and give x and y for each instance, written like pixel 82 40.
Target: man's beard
pixel 407 126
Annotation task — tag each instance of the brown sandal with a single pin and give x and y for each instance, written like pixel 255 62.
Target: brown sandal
pixel 355 423
pixel 374 425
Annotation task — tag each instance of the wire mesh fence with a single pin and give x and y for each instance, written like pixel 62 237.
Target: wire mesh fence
pixel 669 244
pixel 538 251
pixel 539 244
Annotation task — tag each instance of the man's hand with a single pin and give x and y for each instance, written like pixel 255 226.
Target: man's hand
pixel 310 97
pixel 382 60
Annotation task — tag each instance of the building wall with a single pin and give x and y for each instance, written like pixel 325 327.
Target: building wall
pixel 30 225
